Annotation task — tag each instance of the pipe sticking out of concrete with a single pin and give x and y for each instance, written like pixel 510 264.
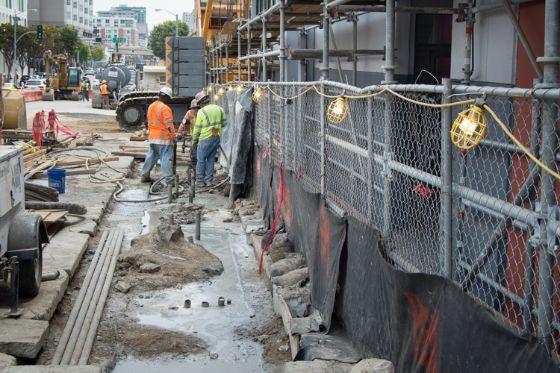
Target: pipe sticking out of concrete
pixel 197 226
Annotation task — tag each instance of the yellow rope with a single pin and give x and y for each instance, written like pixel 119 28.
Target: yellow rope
pixel 520 145
pixel 290 97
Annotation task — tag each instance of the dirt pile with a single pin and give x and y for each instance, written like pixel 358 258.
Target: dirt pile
pixel 172 260
pixel 271 334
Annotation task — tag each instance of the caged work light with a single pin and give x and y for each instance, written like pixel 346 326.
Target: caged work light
pixel 337 110
pixel 239 88
pixel 258 94
pixel 469 127
pixel 209 88
pixel 221 91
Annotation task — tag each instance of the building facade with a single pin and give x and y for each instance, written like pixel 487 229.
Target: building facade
pixel 126 12
pixel 190 20
pixel 76 13
pixel 10 7
pixel 123 28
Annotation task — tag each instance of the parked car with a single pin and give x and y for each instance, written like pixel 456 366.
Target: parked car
pixel 35 84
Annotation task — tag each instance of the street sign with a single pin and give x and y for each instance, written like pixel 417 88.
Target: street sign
pixel 119 40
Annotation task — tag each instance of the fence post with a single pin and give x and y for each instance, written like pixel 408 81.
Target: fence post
pixel 248 52
pixel 238 55
pixel 369 172
pixel 549 146
pixel 322 137
pixel 446 199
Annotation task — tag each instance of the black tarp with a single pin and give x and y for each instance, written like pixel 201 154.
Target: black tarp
pixel 319 235
pixel 237 140
pixel 423 323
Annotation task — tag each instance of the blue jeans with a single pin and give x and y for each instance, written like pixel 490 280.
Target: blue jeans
pixel 206 156
pixel 165 155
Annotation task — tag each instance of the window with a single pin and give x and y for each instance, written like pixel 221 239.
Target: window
pixel 68 2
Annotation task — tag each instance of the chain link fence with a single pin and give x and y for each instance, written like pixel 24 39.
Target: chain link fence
pixel 390 164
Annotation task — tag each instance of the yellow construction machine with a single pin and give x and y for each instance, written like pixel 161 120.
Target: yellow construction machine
pixel 65 83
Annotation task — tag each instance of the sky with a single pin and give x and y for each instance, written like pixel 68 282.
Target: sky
pixel 153 17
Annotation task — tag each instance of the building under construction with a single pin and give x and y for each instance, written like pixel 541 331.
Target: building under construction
pixel 410 150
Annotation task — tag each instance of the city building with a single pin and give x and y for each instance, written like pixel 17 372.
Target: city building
pixel 111 28
pixel 9 7
pixel 76 13
pixel 190 19
pixel 139 15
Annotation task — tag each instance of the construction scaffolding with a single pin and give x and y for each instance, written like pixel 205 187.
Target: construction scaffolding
pixel 487 218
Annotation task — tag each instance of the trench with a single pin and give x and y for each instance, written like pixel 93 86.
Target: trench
pixel 251 302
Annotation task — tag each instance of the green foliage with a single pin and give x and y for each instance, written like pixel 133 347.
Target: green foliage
pixel 67 41
pixel 156 40
pixel 85 52
pixel 97 53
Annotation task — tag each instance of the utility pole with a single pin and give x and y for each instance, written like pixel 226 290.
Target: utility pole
pixel 14 59
pixel 176 25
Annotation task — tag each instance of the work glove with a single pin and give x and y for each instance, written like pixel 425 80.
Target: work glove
pixel 184 122
pixel 194 148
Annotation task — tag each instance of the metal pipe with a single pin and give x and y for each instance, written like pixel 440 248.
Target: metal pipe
pixel 549 146
pixel 256 56
pixel 354 49
pixel 248 53
pixel 198 219
pixel 226 49
pixel 389 66
pixel 282 40
pixel 323 118
pixel 522 38
pixel 258 17
pixel 63 341
pixel 104 281
pixel 446 198
pixel 326 44
pixel 238 55
pixel 370 152
pixel 263 49
pixel 297 54
pixel 334 3
pixel 90 337
pixel 469 24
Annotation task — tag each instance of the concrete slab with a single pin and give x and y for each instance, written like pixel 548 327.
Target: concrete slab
pixel 22 338
pixel 52 369
pixel 65 251
pixel 6 361
pixel 43 306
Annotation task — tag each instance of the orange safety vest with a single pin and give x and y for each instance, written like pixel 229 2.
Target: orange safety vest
pixel 103 89
pixel 160 124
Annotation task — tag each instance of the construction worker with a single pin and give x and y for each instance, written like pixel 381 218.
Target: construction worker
pixel 210 121
pixel 187 124
pixel 85 87
pixel 161 137
pixel 104 94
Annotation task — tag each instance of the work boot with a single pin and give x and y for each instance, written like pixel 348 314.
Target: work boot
pixel 200 184
pixel 209 184
pixel 146 179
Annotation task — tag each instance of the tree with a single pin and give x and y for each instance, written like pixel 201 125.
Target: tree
pixel 67 41
pixel 7 44
pixel 97 53
pixel 85 52
pixel 29 49
pixel 156 40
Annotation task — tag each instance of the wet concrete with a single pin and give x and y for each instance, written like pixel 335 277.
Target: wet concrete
pixel 217 326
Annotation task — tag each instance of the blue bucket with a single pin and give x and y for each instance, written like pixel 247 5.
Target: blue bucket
pixel 57 179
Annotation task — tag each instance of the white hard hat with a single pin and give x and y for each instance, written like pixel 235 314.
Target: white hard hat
pixel 166 91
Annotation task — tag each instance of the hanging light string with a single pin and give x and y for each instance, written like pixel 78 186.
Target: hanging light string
pixel 524 149
pixel 501 124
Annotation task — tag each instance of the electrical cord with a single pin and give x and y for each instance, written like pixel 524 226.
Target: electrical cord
pixel 520 145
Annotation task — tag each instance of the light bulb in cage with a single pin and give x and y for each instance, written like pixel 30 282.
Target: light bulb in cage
pixel 258 94
pixel 239 88
pixel 469 127
pixel 221 91
pixel 337 110
pixel 209 88
pixel 217 97
pixel 230 88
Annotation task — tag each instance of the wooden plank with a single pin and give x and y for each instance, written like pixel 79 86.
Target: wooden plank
pixel 43 175
pixel 89 161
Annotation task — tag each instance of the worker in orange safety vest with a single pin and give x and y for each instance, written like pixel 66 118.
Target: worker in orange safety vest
pixel 104 94
pixel 161 137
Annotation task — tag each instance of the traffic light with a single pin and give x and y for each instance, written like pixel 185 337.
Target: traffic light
pixel 39 32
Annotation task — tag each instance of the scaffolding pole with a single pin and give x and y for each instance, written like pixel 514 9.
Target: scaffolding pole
pixel 326 26
pixel 238 55
pixel 263 49
pixel 282 55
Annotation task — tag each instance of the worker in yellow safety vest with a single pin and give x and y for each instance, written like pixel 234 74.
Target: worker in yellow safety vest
pixel 210 121
pixel 161 136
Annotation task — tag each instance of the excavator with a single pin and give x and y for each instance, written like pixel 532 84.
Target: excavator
pixel 64 84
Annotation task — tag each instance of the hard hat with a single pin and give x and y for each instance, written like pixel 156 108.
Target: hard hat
pixel 166 91
pixel 194 104
pixel 201 97
pixel 103 81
